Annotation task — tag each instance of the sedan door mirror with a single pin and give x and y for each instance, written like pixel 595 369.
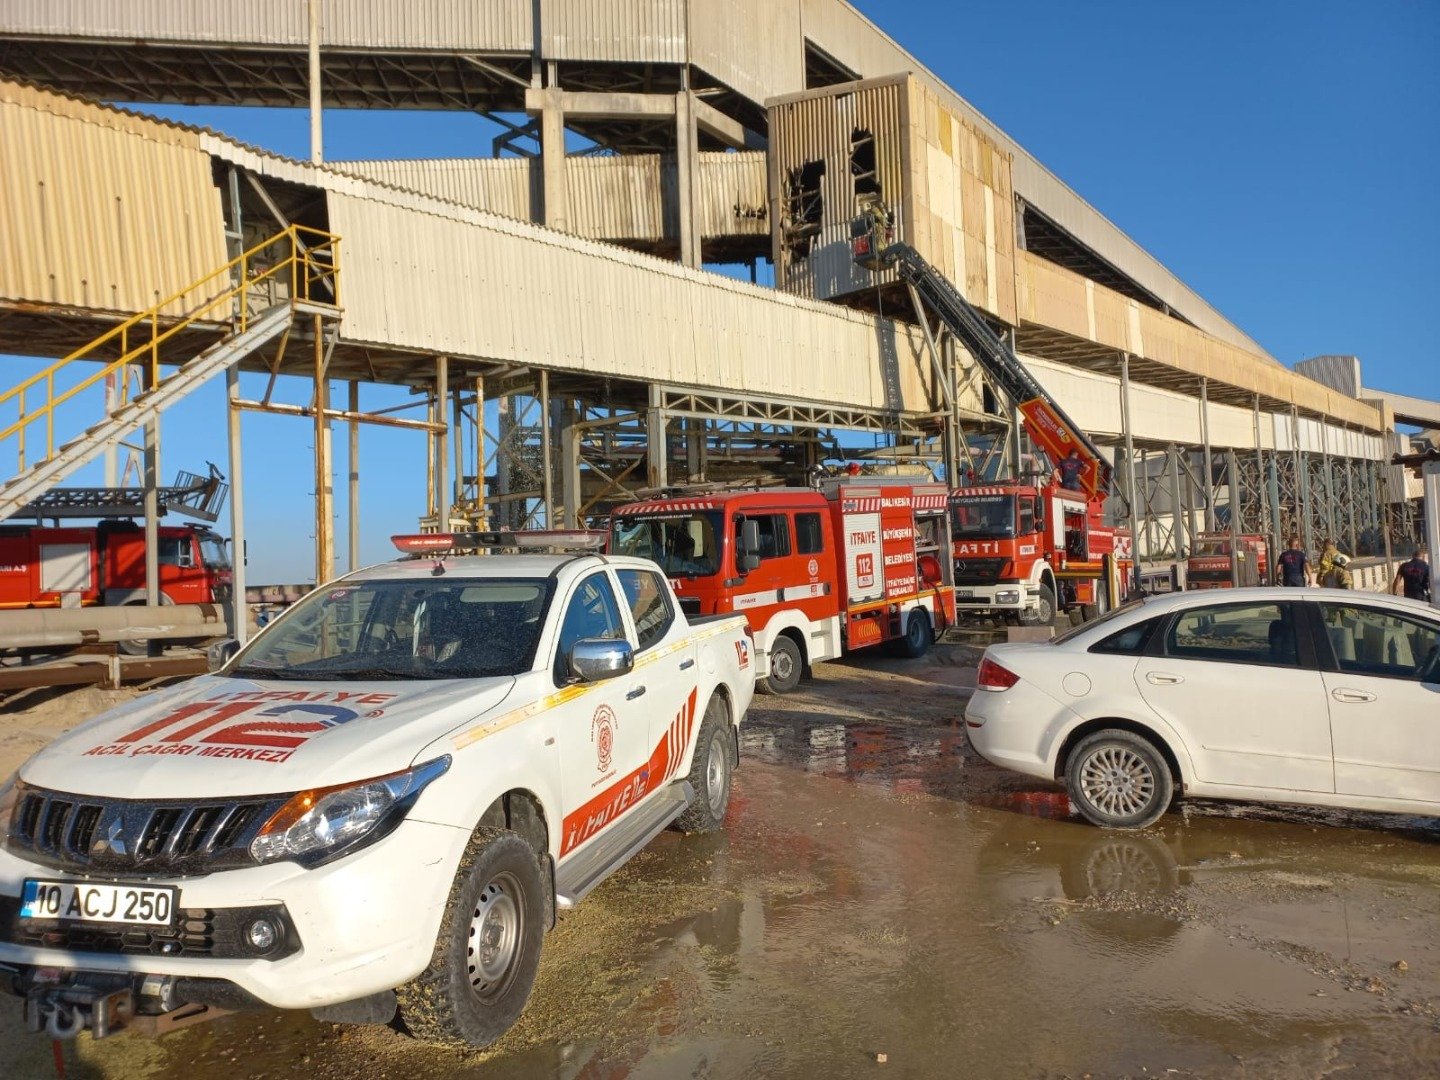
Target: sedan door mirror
pixel 598 659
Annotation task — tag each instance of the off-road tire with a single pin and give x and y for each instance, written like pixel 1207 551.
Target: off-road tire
pixel 442 1005
pixel 786 667
pixel 1044 613
pixel 711 771
pixel 1118 780
pixel 918 636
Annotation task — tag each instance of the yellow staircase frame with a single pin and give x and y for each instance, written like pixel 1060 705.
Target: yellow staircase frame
pixel 305 259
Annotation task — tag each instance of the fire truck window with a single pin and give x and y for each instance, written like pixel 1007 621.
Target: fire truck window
pixel 774 535
pixel 1027 516
pixel 990 516
pixel 591 613
pixel 175 551
pixel 683 546
pixel 809 535
pixel 649 606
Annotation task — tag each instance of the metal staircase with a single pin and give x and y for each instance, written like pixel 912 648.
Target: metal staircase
pixel 250 302
pixel 873 248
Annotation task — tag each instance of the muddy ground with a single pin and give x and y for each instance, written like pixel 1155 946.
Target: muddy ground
pixel 885 903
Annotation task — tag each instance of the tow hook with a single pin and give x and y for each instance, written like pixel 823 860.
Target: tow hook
pixel 62 1012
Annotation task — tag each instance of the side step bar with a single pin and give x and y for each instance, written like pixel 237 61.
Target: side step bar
pixel 580 873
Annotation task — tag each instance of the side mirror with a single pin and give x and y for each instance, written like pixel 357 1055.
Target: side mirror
pixel 221 653
pixel 747 555
pixel 598 659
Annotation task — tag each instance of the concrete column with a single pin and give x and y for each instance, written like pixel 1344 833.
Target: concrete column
pixel 152 512
pixel 353 458
pixel 687 169
pixel 1261 493
pixel 1177 504
pixel 441 444
pixel 1129 462
pixel 317 142
pixel 547 470
pixel 239 610
pixel 656 420
pixel 324 484
pixel 482 515
pixel 552 163
pixel 1430 479
pixel 571 497
pixel 1209 464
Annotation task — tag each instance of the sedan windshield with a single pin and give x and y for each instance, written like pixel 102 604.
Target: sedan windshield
pixel 447 628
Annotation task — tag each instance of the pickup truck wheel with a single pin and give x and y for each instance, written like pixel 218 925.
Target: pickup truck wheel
pixel 916 642
pixel 488 949
pixel 710 771
pixel 786 667
pixel 1118 780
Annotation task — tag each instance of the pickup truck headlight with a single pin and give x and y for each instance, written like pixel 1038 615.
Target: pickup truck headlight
pixel 316 826
pixel 9 799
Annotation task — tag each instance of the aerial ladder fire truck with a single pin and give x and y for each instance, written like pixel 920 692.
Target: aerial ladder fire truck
pixel 1023 548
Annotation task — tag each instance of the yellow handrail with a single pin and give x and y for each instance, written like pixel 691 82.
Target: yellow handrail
pixel 311 258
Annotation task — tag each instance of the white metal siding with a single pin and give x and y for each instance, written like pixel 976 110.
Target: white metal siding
pixel 615 30
pixel 734 194
pixel 753 46
pixel 506 186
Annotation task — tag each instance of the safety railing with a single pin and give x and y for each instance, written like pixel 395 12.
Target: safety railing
pixel 298 263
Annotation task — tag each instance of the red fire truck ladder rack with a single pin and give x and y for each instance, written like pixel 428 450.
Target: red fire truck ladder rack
pixel 874 249
pixel 200 497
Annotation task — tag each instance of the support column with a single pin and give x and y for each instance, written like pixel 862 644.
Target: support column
pixel 1129 464
pixel 324 484
pixel 1177 507
pixel 1232 470
pixel 1209 463
pixel 1262 509
pixel 1302 484
pixel 441 444
pixel 552 159
pixel 687 186
pixel 353 507
pixel 547 469
pixel 1430 481
pixel 1273 484
pixel 317 143
pixel 482 513
pixel 152 513
pixel 571 496
pixel 655 442
pixel 239 610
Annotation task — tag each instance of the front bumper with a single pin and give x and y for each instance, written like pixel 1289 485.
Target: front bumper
pixel 1006 596
pixel 366 923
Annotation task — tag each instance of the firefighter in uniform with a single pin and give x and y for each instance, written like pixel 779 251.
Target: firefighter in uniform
pixel 1413 577
pixel 1294 565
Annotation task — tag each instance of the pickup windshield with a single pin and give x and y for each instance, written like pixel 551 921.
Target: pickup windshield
pixel 685 545
pixel 449 628
pixel 991 516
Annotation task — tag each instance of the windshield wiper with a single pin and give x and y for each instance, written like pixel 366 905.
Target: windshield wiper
pixel 255 671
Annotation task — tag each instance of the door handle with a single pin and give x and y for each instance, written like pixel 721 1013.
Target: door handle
pixel 1341 693
pixel 686 665
pixel 639 691
pixel 1161 678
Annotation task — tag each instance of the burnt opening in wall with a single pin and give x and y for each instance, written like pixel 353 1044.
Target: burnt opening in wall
pixel 864 168
pixel 804 207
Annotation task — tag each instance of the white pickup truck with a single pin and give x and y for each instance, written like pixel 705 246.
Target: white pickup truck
pixel 379 804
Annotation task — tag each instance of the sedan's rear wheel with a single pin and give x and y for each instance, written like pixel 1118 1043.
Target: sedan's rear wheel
pixel 1119 780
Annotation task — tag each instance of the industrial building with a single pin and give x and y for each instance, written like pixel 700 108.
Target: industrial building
pixel 552 303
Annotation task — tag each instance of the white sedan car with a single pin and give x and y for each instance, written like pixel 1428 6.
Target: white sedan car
pixel 1318 696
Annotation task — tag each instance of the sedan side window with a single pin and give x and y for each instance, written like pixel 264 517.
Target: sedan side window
pixel 1369 641
pixel 1237 633
pixel 591 613
pixel 1128 642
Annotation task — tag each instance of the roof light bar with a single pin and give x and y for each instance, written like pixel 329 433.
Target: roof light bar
pixel 535 540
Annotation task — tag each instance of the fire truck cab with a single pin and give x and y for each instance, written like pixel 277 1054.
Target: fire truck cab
pixel 1220 561
pixel 1026 551
pixel 818 572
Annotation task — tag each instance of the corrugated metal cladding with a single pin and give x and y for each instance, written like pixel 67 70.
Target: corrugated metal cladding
pixel 434 277
pixel 510 187
pixel 497 25
pixel 621 197
pixel 632 30
pixel 1340 373
pixel 755 47
pixel 102 210
pixel 814 193
pixel 946 181
pixel 734 194
pixel 853 40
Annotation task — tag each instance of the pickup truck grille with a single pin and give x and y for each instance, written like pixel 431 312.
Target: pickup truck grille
pixel 978 571
pixel 123 836
pixel 197 932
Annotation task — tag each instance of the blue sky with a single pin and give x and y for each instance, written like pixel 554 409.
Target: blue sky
pixel 1282 159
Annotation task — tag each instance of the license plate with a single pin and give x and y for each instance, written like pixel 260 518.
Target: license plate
pixel 965 594
pixel 71 901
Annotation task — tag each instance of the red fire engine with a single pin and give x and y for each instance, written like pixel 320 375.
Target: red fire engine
pixel 1210 565
pixel 105 564
pixel 819 572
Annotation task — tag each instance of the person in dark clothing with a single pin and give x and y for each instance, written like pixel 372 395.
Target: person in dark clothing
pixel 1069 470
pixel 1294 566
pixel 1414 576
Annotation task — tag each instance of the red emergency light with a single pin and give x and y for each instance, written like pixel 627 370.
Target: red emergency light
pixel 534 540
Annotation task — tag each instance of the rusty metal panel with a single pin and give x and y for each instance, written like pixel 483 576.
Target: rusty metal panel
pixel 102 209
pixel 507 186
pixel 435 277
pixel 734 194
pixel 603 30
pixel 755 47
pixel 494 25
